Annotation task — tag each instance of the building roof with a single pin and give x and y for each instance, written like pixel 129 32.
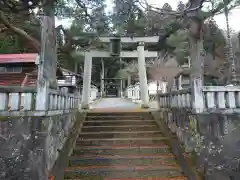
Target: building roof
pixel 18 58
pixel 69 72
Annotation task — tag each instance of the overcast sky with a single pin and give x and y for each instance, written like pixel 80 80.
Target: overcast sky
pixel 220 19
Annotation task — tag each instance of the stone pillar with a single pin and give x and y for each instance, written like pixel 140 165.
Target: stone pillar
pixel 121 80
pixel 129 80
pixel 180 82
pixel 142 75
pixel 87 80
pixel 121 88
pixel 102 78
pixel 174 85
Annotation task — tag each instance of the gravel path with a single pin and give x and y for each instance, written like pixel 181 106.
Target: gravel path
pixel 114 103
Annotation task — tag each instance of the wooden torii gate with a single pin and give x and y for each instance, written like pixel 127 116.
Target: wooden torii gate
pixel 139 53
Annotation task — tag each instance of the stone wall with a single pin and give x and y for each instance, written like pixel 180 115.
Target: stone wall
pixel 16 153
pixel 212 140
pixel 30 146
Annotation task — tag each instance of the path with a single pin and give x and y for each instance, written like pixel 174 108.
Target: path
pixel 118 103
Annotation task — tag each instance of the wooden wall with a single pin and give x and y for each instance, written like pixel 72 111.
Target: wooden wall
pixel 16 79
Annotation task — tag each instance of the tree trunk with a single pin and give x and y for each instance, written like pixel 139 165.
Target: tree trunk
pixel 46 49
pixel 48 58
pixel 35 43
pixel 197 57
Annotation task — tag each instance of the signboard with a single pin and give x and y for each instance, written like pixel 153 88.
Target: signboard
pixel 48 49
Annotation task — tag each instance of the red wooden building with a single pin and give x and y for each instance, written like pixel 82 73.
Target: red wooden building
pixel 20 69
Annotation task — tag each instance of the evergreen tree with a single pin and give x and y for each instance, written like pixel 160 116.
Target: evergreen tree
pixel 128 18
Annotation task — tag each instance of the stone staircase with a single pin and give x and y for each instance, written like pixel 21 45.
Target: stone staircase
pixel 124 146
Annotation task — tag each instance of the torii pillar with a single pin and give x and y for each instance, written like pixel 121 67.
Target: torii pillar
pixel 87 80
pixel 142 75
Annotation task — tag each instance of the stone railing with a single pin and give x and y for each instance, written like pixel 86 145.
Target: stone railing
pixel 133 92
pixel 225 99
pixel 30 139
pixel 213 135
pixel 12 99
pixel 62 102
pixel 18 101
pixel 179 99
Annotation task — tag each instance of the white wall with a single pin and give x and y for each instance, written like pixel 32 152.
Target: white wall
pixel 152 87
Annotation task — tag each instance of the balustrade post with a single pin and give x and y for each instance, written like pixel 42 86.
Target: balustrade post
pixel 180 82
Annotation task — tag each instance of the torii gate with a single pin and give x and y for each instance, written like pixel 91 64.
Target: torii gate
pixel 140 53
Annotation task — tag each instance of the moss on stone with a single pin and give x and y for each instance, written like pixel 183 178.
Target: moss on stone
pixel 192 161
pixel 3 118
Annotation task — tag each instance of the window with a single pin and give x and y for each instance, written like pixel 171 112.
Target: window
pixel 68 79
pixel 13 69
pixel 10 69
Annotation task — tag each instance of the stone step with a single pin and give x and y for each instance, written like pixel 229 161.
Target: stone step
pixel 90 118
pixel 146 178
pixel 122 172
pixel 154 178
pixel 126 113
pixel 118 134
pixel 118 122
pixel 121 151
pixel 122 146
pixel 120 128
pixel 131 160
pixel 127 146
pixel 96 142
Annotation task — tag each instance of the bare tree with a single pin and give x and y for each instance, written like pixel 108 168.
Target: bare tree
pixel 164 71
